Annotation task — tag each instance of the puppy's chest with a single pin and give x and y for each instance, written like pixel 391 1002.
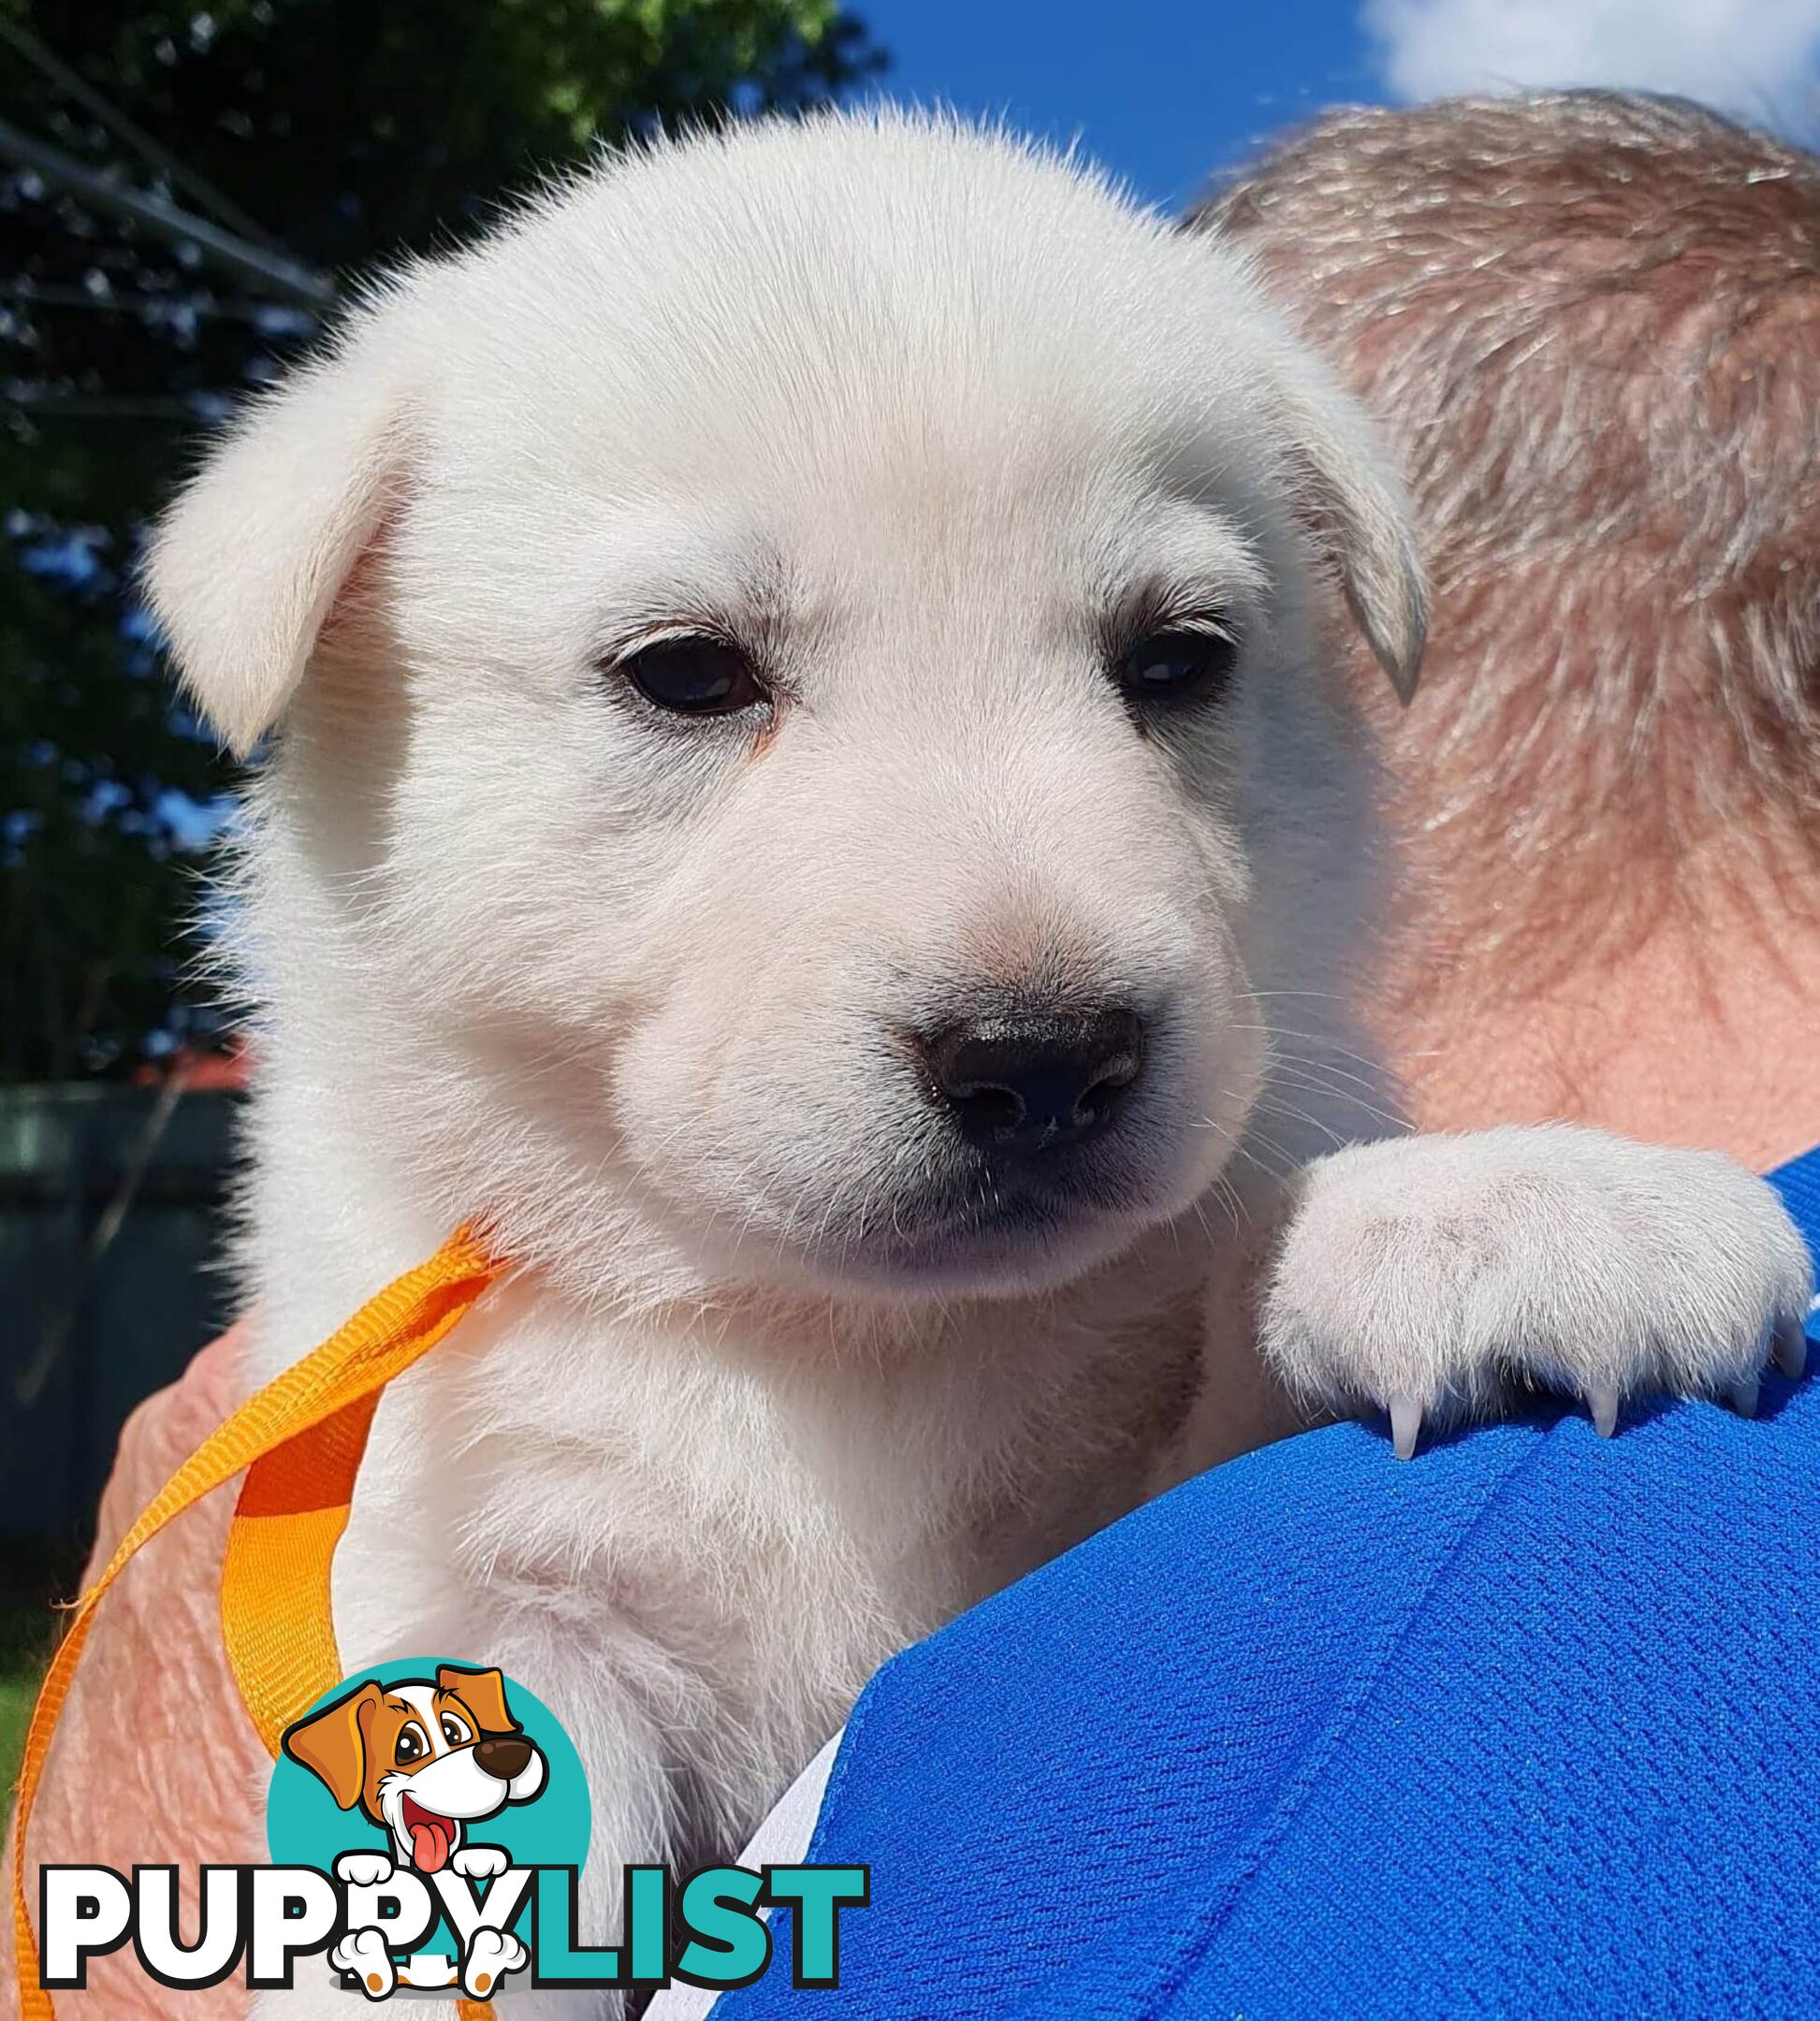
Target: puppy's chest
pixel 756 1531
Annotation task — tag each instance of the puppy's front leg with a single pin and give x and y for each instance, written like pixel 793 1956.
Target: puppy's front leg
pixel 1433 1276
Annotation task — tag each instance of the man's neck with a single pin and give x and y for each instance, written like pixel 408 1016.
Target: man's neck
pixel 1706 1035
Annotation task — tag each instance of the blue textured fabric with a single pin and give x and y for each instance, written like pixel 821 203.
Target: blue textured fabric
pixel 1523 1728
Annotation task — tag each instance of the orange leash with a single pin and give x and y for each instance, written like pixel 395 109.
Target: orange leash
pixel 300 1440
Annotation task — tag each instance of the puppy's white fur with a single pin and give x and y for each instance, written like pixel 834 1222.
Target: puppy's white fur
pixel 918 411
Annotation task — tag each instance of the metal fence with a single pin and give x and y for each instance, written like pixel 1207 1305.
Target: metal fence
pixel 111 1216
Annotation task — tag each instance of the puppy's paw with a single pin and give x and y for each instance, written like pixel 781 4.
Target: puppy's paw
pixel 480 1862
pixel 1432 1276
pixel 364 1870
pixel 363 1953
pixel 491 1954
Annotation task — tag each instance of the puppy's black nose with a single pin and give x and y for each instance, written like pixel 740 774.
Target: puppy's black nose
pixel 504 1755
pixel 1023 1083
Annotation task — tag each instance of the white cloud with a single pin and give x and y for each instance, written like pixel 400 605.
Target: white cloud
pixel 1757 58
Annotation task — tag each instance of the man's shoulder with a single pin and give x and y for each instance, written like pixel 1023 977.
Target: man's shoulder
pixel 1281 1741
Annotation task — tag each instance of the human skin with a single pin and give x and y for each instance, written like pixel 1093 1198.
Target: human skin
pixel 1703 1036
pixel 154 1663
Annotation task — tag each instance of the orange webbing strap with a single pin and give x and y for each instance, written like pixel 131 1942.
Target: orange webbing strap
pixel 276 1621
pixel 301 1439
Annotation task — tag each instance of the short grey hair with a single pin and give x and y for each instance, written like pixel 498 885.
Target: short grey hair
pixel 1591 321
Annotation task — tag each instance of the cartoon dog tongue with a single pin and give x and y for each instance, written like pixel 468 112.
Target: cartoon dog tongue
pixel 432 1838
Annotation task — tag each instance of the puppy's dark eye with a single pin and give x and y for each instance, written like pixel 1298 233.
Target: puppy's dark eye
pixel 1178 666
pixel 455 1730
pixel 412 1745
pixel 693 677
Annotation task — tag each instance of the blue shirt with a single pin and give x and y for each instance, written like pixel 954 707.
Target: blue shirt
pixel 1525 1727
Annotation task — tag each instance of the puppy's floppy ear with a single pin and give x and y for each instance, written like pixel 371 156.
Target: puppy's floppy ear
pixel 332 1743
pixel 483 1691
pixel 1354 501
pixel 247 563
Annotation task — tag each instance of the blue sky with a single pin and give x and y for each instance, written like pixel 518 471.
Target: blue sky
pixel 1162 91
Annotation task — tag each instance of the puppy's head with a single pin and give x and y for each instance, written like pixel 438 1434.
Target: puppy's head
pixel 803 736
pixel 421 1757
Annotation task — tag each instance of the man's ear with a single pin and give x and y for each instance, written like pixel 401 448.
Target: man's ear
pixel 332 1744
pixel 483 1691
pixel 1354 501
pixel 246 564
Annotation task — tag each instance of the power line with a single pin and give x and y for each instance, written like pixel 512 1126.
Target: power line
pixel 103 406
pixel 149 149
pixel 277 274
pixel 52 294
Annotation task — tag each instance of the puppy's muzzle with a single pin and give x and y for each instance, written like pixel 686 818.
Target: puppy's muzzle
pixel 1023 1085
pixel 503 1756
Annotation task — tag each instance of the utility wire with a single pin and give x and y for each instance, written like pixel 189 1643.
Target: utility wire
pixel 31 294
pixel 274 271
pixel 105 406
pixel 160 157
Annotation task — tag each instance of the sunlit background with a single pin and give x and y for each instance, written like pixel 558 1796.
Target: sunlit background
pixel 1165 92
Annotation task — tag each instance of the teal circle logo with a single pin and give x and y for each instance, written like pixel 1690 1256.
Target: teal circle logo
pixel 434 1763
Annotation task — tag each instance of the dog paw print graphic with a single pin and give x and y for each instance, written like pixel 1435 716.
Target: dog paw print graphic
pixel 450 1778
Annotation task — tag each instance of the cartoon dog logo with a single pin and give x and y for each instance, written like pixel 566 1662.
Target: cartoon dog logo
pixel 425 1759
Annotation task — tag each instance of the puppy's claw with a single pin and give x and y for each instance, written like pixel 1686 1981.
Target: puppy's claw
pixel 1602 1403
pixel 1405 1425
pixel 1742 1396
pixel 1790 1350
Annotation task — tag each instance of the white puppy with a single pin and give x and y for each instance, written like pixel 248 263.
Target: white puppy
pixel 806 791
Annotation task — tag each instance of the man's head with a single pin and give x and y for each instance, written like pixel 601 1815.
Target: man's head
pixel 1592 323
pixel 803 719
